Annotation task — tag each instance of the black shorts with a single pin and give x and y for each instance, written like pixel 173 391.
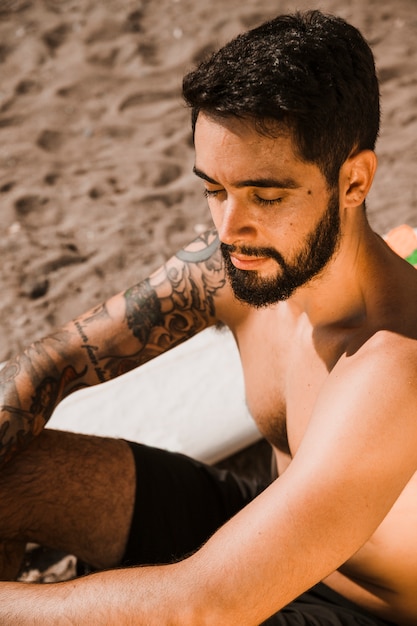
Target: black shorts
pixel 181 502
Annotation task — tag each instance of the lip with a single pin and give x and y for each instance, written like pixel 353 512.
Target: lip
pixel 248 262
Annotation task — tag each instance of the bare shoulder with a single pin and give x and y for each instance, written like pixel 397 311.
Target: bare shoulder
pixel 385 354
pixel 364 427
pixel 371 395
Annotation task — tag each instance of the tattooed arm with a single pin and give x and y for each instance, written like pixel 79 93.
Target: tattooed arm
pixel 175 303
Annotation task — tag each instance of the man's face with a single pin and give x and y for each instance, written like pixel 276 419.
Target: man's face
pixel 278 224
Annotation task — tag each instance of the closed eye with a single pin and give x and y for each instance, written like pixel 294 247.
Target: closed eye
pixel 211 193
pixel 267 202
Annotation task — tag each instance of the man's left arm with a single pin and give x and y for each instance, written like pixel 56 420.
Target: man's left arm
pixel 132 327
pixel 356 456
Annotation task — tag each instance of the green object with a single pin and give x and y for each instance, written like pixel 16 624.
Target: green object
pixel 412 258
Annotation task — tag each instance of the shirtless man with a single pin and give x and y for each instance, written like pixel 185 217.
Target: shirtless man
pixel 285 121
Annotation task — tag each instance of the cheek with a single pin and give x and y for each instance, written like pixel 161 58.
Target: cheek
pixel 218 217
pixel 215 211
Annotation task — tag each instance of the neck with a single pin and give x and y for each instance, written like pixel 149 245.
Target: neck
pixel 339 294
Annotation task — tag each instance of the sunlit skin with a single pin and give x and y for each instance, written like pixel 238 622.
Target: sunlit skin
pixel 330 376
pixel 262 197
pixel 257 207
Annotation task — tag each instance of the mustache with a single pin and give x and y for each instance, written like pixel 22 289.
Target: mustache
pixel 269 253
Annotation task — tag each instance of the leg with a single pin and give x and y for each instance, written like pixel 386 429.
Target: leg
pixel 70 492
pixel 11 557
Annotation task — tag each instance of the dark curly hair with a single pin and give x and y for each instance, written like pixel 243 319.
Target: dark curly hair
pixel 310 71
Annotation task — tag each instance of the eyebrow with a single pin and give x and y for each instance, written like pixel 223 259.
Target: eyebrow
pixel 266 183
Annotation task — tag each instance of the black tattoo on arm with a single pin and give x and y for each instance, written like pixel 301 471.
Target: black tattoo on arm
pixel 91 351
pixel 99 315
pixel 143 311
pixel 182 303
pixel 175 303
pixel 19 425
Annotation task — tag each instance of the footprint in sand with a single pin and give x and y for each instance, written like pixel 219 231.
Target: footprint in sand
pixel 37 211
pixel 50 140
pixel 60 6
pixel 160 201
pixel 388 73
pixel 55 37
pixel 158 174
pixel 13 6
pixel 138 99
pixel 4 52
pixel 51 178
pixel 27 86
pixel 29 204
pixel 133 23
pixel 7 186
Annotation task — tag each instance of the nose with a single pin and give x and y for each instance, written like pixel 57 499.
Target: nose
pixel 233 221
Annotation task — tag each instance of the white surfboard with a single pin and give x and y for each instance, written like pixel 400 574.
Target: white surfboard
pixel 190 399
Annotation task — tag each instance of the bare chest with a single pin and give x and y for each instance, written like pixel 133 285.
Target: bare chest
pixel 283 376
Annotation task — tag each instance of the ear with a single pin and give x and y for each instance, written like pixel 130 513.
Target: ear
pixel 356 176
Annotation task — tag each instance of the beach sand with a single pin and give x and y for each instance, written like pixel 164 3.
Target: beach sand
pixel 96 187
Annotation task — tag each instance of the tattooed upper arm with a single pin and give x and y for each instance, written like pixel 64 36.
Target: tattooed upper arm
pixel 176 302
pixel 143 311
pixel 179 298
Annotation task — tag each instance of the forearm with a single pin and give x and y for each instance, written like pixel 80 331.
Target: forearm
pixel 131 328
pixel 31 385
pixel 151 596
pixel 96 347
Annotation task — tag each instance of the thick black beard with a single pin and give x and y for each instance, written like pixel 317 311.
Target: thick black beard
pixel 311 260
